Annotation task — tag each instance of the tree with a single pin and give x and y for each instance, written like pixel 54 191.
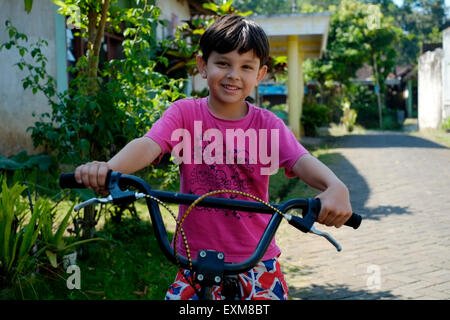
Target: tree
pixel 264 7
pixel 421 21
pixel 91 17
pixel 359 34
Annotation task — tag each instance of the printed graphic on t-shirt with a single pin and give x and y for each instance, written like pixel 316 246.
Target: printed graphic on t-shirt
pixel 206 178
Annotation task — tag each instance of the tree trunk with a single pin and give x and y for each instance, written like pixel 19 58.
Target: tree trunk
pixel 377 92
pixel 95 36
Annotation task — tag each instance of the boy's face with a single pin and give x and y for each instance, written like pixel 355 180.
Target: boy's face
pixel 231 76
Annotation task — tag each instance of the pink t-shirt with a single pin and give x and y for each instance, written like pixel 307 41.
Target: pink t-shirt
pixel 217 153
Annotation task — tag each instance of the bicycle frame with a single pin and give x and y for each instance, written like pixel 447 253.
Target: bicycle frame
pixel 209 264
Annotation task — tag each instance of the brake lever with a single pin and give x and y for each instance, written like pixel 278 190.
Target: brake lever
pixel 326 236
pixel 108 199
pixel 306 224
pixel 92 201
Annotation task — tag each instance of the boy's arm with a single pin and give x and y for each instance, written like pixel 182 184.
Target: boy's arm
pixel 136 155
pixel 335 198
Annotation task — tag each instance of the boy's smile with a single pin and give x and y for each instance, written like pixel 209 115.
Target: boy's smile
pixel 231 78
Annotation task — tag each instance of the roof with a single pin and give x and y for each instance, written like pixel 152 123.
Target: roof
pixel 311 30
pixel 401 73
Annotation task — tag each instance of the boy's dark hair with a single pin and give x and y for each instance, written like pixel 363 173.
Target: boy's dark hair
pixel 231 32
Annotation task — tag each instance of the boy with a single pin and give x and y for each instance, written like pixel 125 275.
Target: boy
pixel 223 142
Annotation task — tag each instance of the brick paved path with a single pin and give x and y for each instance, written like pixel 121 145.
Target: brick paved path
pixel 401 186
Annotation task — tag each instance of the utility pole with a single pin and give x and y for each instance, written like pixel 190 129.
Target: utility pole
pixel 377 92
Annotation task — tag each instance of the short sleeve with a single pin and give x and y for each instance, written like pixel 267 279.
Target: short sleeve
pixel 290 149
pixel 162 129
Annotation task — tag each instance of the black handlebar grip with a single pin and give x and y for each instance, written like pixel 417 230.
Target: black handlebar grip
pixel 354 221
pixel 67 181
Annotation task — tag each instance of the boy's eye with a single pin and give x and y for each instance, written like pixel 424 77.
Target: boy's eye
pixel 221 63
pixel 248 67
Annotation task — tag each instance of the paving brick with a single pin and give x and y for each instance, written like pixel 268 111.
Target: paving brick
pixel 400 184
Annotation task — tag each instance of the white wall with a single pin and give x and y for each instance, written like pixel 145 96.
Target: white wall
pixel 430 89
pixel 174 12
pixel 17 104
pixel 446 74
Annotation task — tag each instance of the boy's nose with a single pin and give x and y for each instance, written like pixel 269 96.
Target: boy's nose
pixel 233 74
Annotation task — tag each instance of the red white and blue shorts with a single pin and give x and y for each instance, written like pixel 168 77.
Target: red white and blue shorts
pixel 264 282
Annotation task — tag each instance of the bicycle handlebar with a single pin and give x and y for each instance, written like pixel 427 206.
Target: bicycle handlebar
pixel 310 211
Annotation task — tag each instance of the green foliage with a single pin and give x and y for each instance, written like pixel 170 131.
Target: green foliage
pixel 359 34
pixel 349 116
pixel 132 95
pixel 14 248
pixel 26 234
pixel 363 101
pixel 314 116
pixel 53 241
pixel 28 5
pixel 445 125
pixel 265 6
pixel 422 21
pixel 24 161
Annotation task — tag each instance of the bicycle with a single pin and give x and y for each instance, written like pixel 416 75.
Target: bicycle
pixel 210 268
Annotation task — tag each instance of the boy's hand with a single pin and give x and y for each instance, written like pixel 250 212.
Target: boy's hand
pixel 335 205
pixel 93 175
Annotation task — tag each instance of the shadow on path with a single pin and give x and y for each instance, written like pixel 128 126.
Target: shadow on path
pixel 338 292
pixel 375 139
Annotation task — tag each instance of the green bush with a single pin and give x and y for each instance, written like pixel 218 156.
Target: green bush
pixel 314 116
pixel 390 121
pixel 363 101
pixel 446 124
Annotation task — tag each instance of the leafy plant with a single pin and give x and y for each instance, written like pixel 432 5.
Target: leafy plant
pixel 52 242
pixel 348 119
pixel 314 116
pixel 27 233
pixel 445 125
pixel 17 236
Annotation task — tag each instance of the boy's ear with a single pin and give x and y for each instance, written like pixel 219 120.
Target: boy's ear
pixel 261 73
pixel 201 65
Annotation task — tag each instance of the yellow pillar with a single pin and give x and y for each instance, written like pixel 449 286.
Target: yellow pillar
pixel 301 86
pixel 293 85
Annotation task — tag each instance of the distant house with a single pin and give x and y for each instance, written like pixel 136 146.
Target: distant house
pixel 401 87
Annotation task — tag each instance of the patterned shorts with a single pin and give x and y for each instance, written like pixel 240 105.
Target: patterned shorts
pixel 264 282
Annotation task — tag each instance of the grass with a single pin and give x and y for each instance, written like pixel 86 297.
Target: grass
pixel 440 136
pixel 436 135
